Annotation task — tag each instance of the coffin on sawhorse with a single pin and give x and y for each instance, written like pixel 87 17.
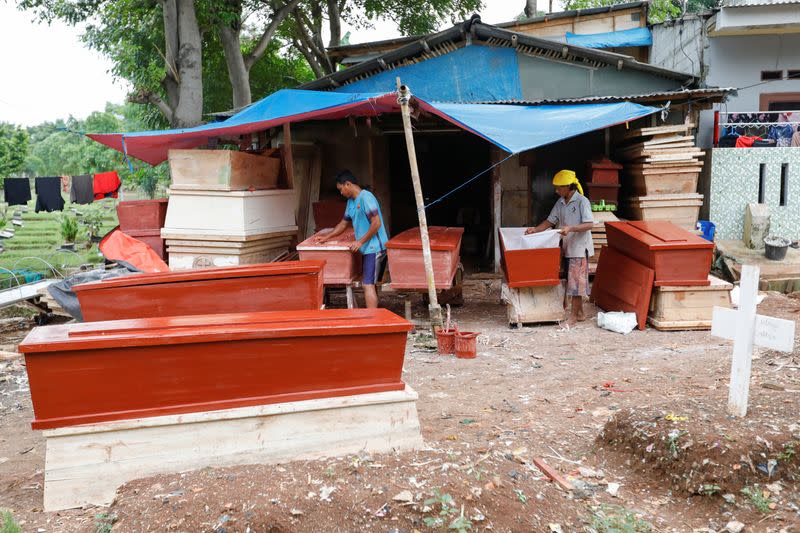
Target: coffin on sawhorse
pixel 169 394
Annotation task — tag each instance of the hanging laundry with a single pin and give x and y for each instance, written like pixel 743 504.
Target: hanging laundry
pixel 65 184
pixel 781 134
pixel 18 191
pixel 106 185
pixel 745 141
pixel 82 189
pixel 48 194
pixel 796 138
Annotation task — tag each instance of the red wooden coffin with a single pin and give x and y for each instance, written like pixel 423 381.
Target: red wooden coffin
pixel 328 213
pixel 678 257
pixel 341 265
pixel 126 369
pixel 288 286
pixel 622 284
pixel 529 268
pixel 151 238
pixel 406 267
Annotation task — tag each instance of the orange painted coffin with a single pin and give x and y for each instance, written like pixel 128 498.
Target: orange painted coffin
pixel 404 252
pixel 126 369
pixel 528 268
pixel 341 265
pixel 622 284
pixel 678 257
pixel 289 286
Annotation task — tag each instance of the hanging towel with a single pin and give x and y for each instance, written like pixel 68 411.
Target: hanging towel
pixel 48 194
pixel 106 184
pixel 82 190
pixel 65 184
pixel 18 191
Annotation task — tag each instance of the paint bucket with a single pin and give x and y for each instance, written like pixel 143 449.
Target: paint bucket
pixel 445 342
pixel 466 344
pixel 775 248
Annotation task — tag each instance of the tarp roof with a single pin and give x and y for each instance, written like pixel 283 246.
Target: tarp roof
pixel 514 128
pixel 612 39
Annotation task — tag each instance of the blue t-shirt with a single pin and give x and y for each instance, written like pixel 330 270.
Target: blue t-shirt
pixel 359 212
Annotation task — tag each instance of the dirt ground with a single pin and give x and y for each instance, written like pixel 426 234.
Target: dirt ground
pixel 636 424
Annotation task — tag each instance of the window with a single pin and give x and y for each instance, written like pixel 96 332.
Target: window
pixel 793 74
pixel 779 101
pixel 762 181
pixel 767 75
pixel 784 184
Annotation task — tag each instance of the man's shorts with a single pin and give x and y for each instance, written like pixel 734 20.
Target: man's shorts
pixel 577 276
pixel 372 268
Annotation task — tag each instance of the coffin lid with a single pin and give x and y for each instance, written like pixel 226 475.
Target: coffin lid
pixel 342 242
pixel 206 274
pixel 604 164
pixel 442 239
pixel 214 328
pixel 661 235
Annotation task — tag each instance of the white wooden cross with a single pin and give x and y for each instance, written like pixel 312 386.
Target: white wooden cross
pixel 746 328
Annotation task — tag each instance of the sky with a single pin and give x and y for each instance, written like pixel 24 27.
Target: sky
pixel 47 72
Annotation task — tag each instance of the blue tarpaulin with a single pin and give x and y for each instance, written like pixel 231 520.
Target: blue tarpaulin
pixel 612 39
pixel 514 128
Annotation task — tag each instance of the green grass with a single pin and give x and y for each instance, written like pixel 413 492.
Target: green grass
pixel 39 240
pixel 8 524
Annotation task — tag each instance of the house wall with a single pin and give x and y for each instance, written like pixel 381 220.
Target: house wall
pixel 543 78
pixel 679 45
pixel 738 62
pixel 735 182
pixel 776 18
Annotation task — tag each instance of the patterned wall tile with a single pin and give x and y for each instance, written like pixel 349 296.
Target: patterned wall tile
pixel 734 184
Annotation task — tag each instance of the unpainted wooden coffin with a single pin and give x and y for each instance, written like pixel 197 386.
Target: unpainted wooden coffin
pixel 127 369
pixel 341 265
pixel 406 266
pixel 678 257
pixel 287 286
pixel 222 170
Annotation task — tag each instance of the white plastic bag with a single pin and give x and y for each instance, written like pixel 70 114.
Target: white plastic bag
pixel 617 321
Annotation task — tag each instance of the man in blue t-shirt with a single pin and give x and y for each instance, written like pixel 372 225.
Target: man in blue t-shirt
pixel 364 213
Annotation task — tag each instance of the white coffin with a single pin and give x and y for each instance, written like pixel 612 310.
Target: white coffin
pixel 229 213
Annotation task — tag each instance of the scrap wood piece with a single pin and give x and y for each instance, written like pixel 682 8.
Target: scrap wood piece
pixel 552 473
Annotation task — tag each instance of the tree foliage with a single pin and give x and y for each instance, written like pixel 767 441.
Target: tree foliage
pixel 13 148
pixel 658 10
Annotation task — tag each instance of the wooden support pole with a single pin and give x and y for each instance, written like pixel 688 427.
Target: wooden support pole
pixel 287 152
pixel 497 209
pixel 403 98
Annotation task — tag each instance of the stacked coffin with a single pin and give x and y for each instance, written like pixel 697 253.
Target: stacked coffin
pixel 599 235
pixel 661 270
pixel 157 384
pixel 662 166
pixel 224 209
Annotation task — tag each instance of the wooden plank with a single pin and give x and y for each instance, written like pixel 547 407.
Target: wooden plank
pixel 680 325
pixel 86 464
pixel 534 305
pixel 657 130
pixel 552 474
pixel 288 157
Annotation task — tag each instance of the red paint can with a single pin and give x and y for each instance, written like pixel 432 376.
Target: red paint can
pixel 466 344
pixel 445 341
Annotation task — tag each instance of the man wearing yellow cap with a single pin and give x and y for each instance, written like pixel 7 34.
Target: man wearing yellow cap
pixel 572 215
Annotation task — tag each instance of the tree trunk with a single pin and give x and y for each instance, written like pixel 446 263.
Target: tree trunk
pixel 238 73
pixel 530 8
pixel 189 111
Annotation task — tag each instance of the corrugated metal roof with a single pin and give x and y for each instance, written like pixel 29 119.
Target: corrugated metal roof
pixel 756 3
pixel 679 95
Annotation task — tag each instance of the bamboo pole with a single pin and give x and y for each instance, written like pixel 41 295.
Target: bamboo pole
pixel 434 310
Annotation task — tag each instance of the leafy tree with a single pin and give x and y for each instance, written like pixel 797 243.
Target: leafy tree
pixel 658 11
pixel 13 148
pixel 172 50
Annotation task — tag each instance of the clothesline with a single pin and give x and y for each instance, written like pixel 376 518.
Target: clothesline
pixel 83 189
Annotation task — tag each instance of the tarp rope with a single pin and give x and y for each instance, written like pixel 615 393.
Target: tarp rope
pixel 473 178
